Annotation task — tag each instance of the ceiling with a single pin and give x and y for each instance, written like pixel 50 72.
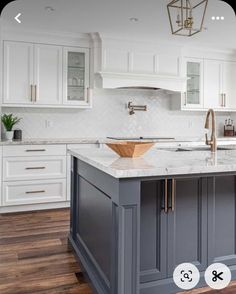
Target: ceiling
pixel 112 17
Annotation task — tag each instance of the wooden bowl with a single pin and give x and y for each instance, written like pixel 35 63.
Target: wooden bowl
pixel 130 148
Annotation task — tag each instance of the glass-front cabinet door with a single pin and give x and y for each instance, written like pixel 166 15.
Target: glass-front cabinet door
pixel 76 77
pixel 193 96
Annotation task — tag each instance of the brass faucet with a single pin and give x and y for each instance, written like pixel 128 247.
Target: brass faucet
pixel 132 108
pixel 211 142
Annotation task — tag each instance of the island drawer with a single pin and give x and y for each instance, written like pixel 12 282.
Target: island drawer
pixel 24 192
pixel 34 150
pixel 36 168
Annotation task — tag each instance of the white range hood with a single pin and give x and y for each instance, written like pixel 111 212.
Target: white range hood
pixel 136 64
pixel 114 80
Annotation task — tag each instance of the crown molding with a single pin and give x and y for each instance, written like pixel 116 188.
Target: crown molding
pixel 41 36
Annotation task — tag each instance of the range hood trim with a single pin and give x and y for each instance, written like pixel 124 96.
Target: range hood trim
pixel 115 80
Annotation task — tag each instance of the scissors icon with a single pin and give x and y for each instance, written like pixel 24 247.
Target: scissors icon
pixel 217 276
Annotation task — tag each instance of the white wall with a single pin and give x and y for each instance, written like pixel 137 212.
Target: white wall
pixel 109 117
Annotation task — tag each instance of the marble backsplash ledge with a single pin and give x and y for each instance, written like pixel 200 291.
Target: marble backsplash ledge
pixel 109 117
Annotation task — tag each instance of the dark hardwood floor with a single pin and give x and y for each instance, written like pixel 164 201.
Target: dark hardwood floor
pixel 35 257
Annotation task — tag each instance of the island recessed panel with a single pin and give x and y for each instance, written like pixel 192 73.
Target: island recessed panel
pixel 94 225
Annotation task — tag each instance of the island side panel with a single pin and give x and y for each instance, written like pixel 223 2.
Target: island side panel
pixel 107 217
pixel 92 223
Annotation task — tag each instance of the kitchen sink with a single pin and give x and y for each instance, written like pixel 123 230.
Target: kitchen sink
pixel 202 148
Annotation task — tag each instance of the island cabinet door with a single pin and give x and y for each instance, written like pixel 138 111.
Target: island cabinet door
pixel 153 232
pixel 222 220
pixel 187 223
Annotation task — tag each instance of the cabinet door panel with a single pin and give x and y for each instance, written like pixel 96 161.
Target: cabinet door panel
pixel 153 233
pixel 76 77
pixel 48 74
pixel 221 220
pixel 193 70
pixel 213 84
pixel 18 72
pixel 187 231
pixel 229 84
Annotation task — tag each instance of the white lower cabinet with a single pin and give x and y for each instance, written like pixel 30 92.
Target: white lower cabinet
pixel 32 192
pixel 34 174
pixel 27 168
pixel 33 150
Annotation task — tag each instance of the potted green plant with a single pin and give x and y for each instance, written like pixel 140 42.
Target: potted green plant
pixel 9 121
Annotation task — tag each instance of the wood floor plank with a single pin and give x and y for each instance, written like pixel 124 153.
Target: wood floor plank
pixel 38 284
pixel 31 238
pixel 25 246
pixel 10 257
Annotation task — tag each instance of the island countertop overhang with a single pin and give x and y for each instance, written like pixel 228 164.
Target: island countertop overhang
pixel 157 163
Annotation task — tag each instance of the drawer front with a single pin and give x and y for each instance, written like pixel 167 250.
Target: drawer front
pixel 25 192
pixel 34 168
pixel 34 150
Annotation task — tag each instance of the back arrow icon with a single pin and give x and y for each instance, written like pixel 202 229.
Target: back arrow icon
pixel 17 18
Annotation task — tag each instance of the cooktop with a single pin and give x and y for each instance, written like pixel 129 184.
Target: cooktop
pixel 141 138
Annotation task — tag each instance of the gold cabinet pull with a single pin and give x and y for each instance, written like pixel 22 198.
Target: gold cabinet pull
pixel 87 95
pixel 166 195
pixel 31 93
pixel 222 100
pixel 35 93
pixel 36 167
pixel 185 98
pixel 35 150
pixel 173 195
pixel 35 192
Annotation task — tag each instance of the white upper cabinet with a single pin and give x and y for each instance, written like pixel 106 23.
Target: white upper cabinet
pixel 76 89
pixel 48 74
pixel 229 84
pixel 18 73
pixel 213 95
pixel 45 75
pixel 211 83
pixel 193 96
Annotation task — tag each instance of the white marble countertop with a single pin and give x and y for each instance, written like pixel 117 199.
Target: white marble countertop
pixel 42 141
pixel 159 162
pixel 178 141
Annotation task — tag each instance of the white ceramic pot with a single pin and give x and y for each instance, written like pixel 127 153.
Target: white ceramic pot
pixel 9 135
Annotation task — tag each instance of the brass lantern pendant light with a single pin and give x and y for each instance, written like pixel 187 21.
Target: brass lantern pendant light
pixel 186 16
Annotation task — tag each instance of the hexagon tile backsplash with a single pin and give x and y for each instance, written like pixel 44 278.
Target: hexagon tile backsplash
pixel 109 117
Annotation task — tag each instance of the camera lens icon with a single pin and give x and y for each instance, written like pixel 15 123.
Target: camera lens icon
pixel 186 276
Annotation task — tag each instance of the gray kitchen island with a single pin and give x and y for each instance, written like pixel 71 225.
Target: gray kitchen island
pixel 134 220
